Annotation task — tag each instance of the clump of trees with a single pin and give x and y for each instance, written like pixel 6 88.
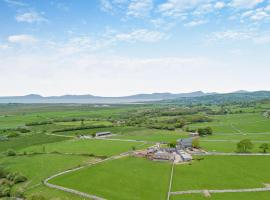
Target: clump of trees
pixel 7 181
pixel 205 131
pixel 81 128
pixel 244 146
pixel 172 144
pixel 196 143
pixel 38 123
pixel 265 147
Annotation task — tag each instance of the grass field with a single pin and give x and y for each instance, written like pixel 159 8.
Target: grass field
pixel 87 146
pixel 238 123
pixel 38 167
pixel 144 179
pixel 227 146
pixel 153 135
pixel 126 178
pixel 223 172
pixel 19 143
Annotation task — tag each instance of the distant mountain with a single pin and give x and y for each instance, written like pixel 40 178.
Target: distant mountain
pixel 234 97
pixel 181 98
pixel 34 98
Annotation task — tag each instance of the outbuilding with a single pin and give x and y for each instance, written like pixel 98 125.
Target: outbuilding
pixel 99 134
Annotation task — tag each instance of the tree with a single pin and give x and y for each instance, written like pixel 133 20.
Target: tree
pixel 172 144
pixel 11 152
pixel 82 122
pixel 265 147
pixel 205 131
pixel 93 135
pixel 133 148
pixel 195 143
pixel 244 145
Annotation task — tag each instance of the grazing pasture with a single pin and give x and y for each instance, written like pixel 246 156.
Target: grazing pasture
pixel 222 172
pixel 96 147
pixel 238 123
pixel 125 178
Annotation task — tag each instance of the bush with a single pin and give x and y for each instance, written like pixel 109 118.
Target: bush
pixel 23 130
pixel 3 173
pixel 195 143
pixel 11 152
pixel 13 134
pixel 4 191
pixel 18 193
pixel 19 179
pixel 205 131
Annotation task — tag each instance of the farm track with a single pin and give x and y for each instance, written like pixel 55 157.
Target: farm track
pixel 76 192
pixel 231 154
pixel 217 140
pixel 221 191
pixel 170 184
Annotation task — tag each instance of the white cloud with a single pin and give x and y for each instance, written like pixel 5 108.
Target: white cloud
pixel 259 15
pixel 140 8
pixel 4 46
pixel 267 8
pixel 15 3
pixel 256 15
pixel 106 5
pixel 141 35
pixel 245 4
pixel 265 39
pixel 219 5
pixel 196 23
pixel 231 35
pixel 22 39
pixel 178 7
pixel 30 17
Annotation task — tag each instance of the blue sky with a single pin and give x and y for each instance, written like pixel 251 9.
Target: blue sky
pixel 122 47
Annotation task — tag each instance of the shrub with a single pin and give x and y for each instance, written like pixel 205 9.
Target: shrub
pixel 205 131
pixel 23 130
pixel 11 152
pixel 13 134
pixel 4 191
pixel 19 178
pixel 195 143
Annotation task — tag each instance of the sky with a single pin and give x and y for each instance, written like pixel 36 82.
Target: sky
pixel 124 47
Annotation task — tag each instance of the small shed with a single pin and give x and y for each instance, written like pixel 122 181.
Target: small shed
pixel 194 134
pixel 99 134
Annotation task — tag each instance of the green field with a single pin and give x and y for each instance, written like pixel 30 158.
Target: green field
pixel 87 146
pixel 238 123
pixel 47 154
pixel 126 178
pixel 222 172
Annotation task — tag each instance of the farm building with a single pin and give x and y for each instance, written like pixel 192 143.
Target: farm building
pixel 184 143
pixel 194 134
pixel 185 156
pixel 99 134
pixel 163 155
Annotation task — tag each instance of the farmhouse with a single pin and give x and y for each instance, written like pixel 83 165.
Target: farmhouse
pixel 177 155
pixel 100 134
pixel 184 143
